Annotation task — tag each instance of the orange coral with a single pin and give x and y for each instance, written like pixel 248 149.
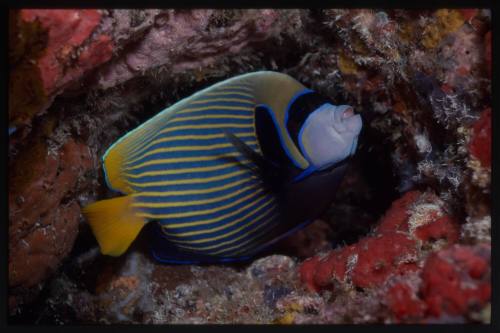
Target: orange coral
pixel 347 65
pixel 447 21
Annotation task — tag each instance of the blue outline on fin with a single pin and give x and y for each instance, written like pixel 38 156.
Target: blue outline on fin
pixel 280 135
pixel 305 173
pixel 292 100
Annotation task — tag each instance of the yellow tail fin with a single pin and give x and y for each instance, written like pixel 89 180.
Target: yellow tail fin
pixel 114 224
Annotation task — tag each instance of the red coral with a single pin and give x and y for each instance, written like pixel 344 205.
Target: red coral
pixel 380 257
pixel 396 217
pixel 443 227
pixel 404 302
pixel 67 29
pixel 391 251
pixel 334 266
pixel 480 144
pixel 454 281
pixel 446 88
pixel 468 13
pixel 368 263
pixel 307 271
pixel 97 52
pixel 457 279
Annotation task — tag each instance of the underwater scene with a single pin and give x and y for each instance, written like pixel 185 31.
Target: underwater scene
pixel 249 166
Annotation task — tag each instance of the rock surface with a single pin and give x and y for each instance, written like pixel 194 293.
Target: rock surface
pixel 407 239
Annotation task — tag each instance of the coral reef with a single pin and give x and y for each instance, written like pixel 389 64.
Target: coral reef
pixel 43 221
pixel 53 48
pixel 414 223
pixel 407 239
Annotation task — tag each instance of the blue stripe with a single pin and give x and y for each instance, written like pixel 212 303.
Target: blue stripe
pixel 259 202
pixel 216 95
pixel 244 231
pixel 218 112
pixel 143 125
pixel 214 130
pixel 183 187
pixel 228 88
pixel 183 165
pixel 202 196
pixel 197 208
pixel 263 235
pixel 196 142
pixel 187 175
pixel 194 153
pixel 209 121
pixel 247 103
pixel 221 112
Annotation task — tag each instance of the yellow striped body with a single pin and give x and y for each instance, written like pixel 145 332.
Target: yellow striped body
pixel 181 171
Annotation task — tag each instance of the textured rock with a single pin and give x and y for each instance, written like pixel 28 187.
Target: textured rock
pixel 135 290
pixel 185 39
pixel 43 219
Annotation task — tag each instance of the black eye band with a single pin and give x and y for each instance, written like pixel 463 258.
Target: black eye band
pixel 302 107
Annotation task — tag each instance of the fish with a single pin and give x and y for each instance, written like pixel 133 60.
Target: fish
pixel 226 172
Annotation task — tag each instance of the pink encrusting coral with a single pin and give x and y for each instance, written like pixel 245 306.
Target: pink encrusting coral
pixel 457 280
pixel 68 30
pixel 68 48
pixel 413 222
pixel 404 303
pixel 453 282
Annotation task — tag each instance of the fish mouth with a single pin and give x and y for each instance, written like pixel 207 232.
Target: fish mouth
pixel 348 113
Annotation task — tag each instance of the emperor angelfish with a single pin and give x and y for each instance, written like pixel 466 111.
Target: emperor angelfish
pixel 227 171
